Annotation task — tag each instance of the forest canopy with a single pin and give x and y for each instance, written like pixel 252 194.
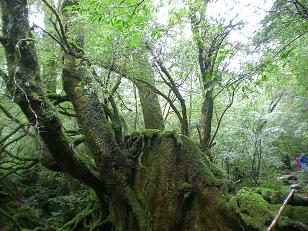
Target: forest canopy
pixel 153 115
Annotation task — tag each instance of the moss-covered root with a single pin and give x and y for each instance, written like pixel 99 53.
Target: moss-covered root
pixel 177 186
pixel 88 219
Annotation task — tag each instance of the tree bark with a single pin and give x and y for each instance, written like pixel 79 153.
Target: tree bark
pixel 151 109
pixel 205 123
pixel 111 162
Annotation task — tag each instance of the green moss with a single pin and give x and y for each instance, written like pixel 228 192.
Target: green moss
pixel 292 215
pixel 186 186
pixel 178 185
pixel 149 133
pixel 298 213
pixel 134 134
pixel 36 97
pixel 195 203
pixel 252 208
pixel 166 133
pixel 201 163
pixel 258 206
pixel 270 195
pixel 78 219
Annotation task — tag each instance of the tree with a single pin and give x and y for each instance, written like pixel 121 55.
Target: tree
pixel 151 180
pixel 205 61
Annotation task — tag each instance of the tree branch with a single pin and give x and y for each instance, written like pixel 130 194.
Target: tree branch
pixel 11 133
pixel 53 37
pixel 19 168
pixel 38 108
pixel 57 99
pixel 174 88
pixel 9 115
pixel 19 158
pixel 222 115
pixel 62 30
pixel 164 96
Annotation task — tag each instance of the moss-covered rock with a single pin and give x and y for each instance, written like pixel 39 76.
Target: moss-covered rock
pixel 258 207
pixel 270 195
pixel 253 209
pixel 292 215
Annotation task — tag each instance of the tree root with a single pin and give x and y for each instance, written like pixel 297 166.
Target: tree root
pixel 87 218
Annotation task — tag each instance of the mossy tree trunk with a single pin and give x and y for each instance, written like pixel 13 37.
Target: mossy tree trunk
pixel 149 181
pixel 206 60
pixel 205 123
pixel 208 52
pixel 178 186
pixel 151 110
pixel 24 83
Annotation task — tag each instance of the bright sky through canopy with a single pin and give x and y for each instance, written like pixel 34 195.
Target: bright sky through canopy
pixel 251 12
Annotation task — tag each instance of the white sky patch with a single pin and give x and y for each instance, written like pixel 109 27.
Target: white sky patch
pixel 36 17
pixel 251 12
pixel 56 2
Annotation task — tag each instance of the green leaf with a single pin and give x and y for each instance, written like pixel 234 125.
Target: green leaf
pixel 264 78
